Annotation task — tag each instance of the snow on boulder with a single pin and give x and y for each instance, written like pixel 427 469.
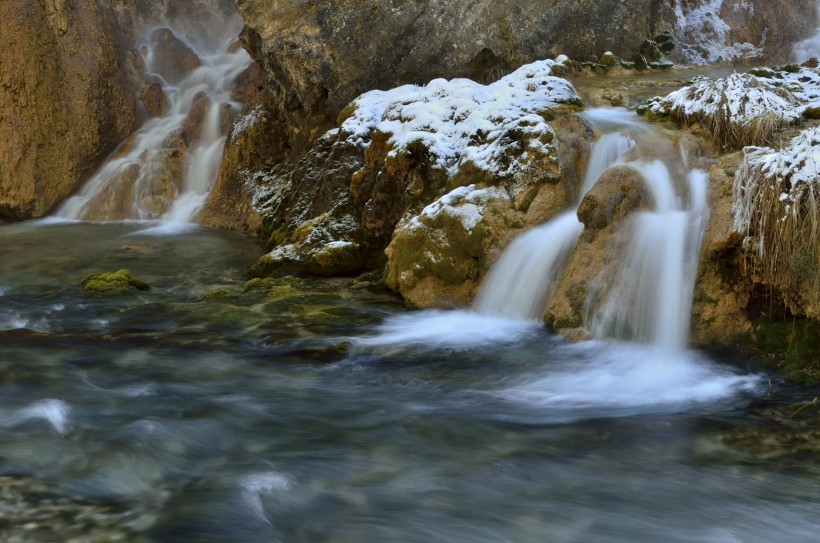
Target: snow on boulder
pixel 413 144
pixel 737 110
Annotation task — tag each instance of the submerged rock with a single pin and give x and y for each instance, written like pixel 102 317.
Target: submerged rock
pixel 113 283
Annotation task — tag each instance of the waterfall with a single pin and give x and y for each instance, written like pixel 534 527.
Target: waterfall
pixel 810 47
pixel 650 300
pixel 167 168
pixel 518 285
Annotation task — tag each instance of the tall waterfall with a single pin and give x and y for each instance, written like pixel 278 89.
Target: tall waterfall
pixel 167 168
pixel 518 285
pixel 650 300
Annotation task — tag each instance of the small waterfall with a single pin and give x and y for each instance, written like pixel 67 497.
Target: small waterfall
pixel 651 298
pixel 605 153
pixel 518 285
pixel 167 168
pixel 810 47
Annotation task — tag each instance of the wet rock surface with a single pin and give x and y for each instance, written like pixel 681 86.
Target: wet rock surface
pixel 59 119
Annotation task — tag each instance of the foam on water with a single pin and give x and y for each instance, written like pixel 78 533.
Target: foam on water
pixel 448 329
pixel 257 485
pixel 57 413
pixel 603 374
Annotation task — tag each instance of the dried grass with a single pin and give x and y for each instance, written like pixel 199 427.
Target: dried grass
pixel 782 234
pixel 737 111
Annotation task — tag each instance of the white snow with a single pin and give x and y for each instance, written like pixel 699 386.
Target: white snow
pixel 467 204
pixel 243 122
pixel 705 35
pixel 789 171
pixel 460 120
pixel 743 97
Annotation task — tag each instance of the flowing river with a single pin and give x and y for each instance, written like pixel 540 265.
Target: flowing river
pixel 196 412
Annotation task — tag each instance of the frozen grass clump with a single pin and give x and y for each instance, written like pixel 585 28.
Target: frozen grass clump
pixel 737 110
pixel 776 196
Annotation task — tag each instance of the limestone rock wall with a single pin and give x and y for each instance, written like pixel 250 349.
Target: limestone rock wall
pixel 66 98
pixel 317 56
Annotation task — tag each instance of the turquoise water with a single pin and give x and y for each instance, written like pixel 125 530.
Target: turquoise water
pixel 330 413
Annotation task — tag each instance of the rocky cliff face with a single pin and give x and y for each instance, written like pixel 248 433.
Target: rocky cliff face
pixel 66 99
pixel 318 56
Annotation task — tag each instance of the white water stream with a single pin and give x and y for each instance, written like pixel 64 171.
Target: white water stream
pixel 651 298
pixel 648 305
pixel 167 169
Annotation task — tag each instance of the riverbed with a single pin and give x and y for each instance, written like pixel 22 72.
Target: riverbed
pixel 206 410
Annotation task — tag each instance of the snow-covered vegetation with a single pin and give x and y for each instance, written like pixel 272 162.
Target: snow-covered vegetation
pixel 776 207
pixel 737 110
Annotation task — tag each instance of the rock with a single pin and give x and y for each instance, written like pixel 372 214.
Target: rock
pixel 377 45
pixel 396 151
pixel 594 261
pixel 118 282
pixel 722 290
pixel 59 119
pixel 438 257
pixel 154 100
pixel 173 59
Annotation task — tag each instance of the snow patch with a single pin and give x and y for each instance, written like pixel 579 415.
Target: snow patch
pixel 790 171
pixel 705 35
pixel 460 119
pixel 742 97
pixel 466 204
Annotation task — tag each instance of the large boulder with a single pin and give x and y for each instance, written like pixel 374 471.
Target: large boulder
pixel 397 151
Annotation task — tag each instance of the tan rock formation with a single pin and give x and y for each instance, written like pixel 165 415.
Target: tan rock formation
pixel 397 151
pixel 65 98
pixel 722 290
pixel 604 211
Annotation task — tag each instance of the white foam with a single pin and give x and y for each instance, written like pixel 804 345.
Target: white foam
pixel 256 485
pixel 612 375
pixel 448 329
pixel 56 412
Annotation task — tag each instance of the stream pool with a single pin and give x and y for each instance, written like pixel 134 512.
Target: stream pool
pixel 318 412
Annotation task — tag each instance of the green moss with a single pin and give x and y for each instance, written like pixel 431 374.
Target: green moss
pixel 269 283
pixel 794 346
pixel 216 293
pixel 761 72
pixel 812 113
pixel 113 283
pixel 342 348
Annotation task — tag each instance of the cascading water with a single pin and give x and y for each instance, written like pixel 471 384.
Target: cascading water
pixel 167 168
pixel 518 283
pixel 651 297
pixel 517 286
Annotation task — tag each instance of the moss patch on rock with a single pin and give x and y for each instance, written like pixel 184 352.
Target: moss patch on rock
pixel 117 282
pixel 794 348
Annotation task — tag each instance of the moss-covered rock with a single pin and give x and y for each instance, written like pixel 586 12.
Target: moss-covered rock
pixel 118 282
